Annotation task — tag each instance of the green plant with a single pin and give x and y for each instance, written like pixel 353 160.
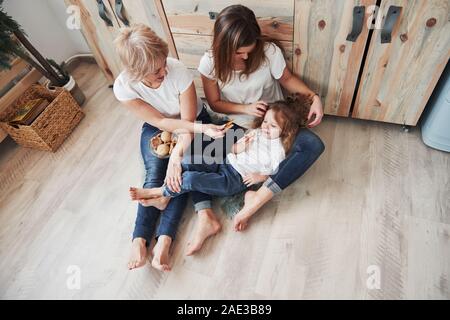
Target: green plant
pixel 14 43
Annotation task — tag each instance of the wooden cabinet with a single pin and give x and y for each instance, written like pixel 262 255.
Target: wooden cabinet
pixel 323 57
pixel 399 76
pixel 99 34
pixel 334 46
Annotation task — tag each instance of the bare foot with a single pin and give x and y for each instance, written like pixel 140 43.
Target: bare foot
pixel 159 203
pixel 138 254
pixel 145 193
pixel 160 259
pixel 251 205
pixel 207 226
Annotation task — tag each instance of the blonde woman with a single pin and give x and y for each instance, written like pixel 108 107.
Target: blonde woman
pixel 243 72
pixel 159 90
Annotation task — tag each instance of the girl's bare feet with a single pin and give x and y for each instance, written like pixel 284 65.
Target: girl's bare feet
pixel 138 254
pixel 159 203
pixel 145 193
pixel 160 259
pixel 207 226
pixel 253 201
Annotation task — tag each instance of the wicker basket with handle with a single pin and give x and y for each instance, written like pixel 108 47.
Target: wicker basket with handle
pixel 49 130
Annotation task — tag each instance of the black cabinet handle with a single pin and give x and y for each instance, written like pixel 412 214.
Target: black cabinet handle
pixel 389 23
pixel 213 15
pixel 119 8
pixel 102 13
pixel 358 21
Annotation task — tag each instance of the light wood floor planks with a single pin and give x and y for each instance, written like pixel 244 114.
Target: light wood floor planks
pixel 377 197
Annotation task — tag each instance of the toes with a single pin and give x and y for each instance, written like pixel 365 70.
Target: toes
pixel 236 225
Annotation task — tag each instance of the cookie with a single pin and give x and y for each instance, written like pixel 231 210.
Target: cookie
pixel 228 125
pixel 155 142
pixel 162 150
pixel 166 136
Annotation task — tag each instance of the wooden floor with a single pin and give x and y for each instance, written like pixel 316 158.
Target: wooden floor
pixel 375 206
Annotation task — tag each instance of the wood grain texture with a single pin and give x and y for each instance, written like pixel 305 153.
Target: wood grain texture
pixel 31 78
pixel 99 36
pixel 192 16
pixel 17 66
pixel 400 76
pixel 381 200
pixel 323 58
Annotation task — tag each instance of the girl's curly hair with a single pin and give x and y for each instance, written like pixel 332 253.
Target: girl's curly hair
pixel 291 114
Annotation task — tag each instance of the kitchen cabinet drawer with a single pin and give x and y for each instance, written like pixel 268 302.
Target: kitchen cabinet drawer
pixel 197 16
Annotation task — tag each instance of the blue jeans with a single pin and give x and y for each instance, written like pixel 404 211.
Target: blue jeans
pixel 155 174
pixel 305 151
pixel 214 179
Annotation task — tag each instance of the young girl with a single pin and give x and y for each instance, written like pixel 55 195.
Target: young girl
pixel 252 159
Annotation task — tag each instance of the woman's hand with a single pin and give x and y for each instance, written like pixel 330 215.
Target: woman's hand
pixel 254 178
pixel 257 109
pixel 173 174
pixel 315 110
pixel 213 131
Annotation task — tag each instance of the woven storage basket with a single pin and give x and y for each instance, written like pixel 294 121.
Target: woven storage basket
pixel 49 130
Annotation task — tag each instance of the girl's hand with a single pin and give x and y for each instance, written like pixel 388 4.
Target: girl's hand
pixel 243 143
pixel 173 174
pixel 248 139
pixel 214 131
pixel 254 178
pixel 257 109
pixel 315 110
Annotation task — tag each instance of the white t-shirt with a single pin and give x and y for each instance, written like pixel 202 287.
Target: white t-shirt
pixel 166 98
pixel 262 156
pixel 260 85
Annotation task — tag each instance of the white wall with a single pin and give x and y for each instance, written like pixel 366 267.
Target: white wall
pixel 44 21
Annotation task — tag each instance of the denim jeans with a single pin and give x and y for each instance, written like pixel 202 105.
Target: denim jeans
pixel 155 174
pixel 305 151
pixel 214 179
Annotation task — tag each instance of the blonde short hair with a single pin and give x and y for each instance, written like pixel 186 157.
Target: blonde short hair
pixel 140 49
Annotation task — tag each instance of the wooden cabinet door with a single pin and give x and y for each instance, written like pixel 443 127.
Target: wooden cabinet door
pixel 323 58
pixel 191 23
pixel 99 35
pixel 399 76
pixel 150 13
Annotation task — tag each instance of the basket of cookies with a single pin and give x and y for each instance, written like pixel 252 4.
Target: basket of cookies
pixel 162 144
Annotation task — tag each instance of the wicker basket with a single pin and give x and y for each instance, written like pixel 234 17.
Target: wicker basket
pixel 49 130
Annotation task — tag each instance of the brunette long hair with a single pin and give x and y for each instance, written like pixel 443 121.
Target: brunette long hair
pixel 291 115
pixel 236 27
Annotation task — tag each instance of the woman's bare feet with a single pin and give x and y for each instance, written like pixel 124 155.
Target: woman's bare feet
pixel 207 226
pixel 253 201
pixel 159 203
pixel 160 259
pixel 145 193
pixel 138 254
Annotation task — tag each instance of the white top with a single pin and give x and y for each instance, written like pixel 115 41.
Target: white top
pixel 262 156
pixel 260 85
pixel 166 98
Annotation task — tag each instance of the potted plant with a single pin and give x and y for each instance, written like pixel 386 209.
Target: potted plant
pixel 14 43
